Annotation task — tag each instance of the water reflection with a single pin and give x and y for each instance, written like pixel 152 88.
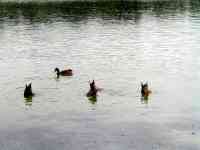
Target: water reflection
pixel 144 99
pixel 78 10
pixel 92 99
pixel 28 101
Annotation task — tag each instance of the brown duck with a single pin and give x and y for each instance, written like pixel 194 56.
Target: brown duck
pixel 67 72
pixel 145 90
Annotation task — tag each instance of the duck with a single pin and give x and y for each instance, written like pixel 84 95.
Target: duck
pixel 93 90
pixel 28 91
pixel 145 90
pixel 67 72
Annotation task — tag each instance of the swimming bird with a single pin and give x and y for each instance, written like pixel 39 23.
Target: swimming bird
pixel 93 90
pixel 67 72
pixel 28 91
pixel 145 90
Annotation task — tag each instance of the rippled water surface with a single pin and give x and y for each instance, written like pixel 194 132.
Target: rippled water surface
pixel 116 43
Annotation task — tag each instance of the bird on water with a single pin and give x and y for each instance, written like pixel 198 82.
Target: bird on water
pixel 67 72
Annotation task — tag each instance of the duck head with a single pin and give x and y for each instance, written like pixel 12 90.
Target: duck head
pixel 57 72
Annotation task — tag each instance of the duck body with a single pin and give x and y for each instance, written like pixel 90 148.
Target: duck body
pixel 93 90
pixel 92 93
pixel 67 72
pixel 28 91
pixel 145 90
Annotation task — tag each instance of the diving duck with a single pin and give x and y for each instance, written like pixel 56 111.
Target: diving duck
pixel 28 91
pixel 93 90
pixel 67 72
pixel 145 90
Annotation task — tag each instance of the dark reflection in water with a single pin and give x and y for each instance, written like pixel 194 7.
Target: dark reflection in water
pixel 28 101
pixel 144 99
pixel 92 99
pixel 78 10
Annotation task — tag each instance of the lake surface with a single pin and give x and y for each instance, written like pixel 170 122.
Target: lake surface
pixel 116 43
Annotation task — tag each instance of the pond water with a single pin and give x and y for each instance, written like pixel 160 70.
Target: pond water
pixel 119 44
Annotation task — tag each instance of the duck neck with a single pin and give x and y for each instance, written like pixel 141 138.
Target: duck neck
pixel 58 74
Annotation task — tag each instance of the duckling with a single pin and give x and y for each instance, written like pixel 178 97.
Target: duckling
pixel 93 90
pixel 28 91
pixel 67 72
pixel 145 90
